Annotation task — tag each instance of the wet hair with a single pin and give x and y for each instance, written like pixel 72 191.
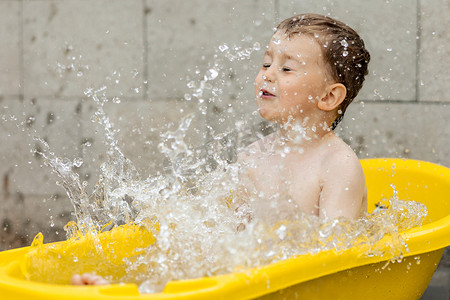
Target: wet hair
pixel 343 51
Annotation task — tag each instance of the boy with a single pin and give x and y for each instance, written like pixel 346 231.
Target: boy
pixel 313 68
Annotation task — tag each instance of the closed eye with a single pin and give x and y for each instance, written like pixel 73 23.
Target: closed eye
pixel 286 69
pixel 266 66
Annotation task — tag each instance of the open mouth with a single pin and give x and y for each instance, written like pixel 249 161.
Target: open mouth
pixel 266 93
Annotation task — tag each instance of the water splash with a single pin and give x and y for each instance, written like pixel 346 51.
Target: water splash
pixel 203 226
pixel 196 204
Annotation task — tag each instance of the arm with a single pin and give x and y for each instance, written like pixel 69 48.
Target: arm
pixel 343 187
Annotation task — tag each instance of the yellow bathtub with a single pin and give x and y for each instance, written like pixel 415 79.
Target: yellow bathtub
pixel 350 274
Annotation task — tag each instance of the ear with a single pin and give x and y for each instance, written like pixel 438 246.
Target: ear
pixel 333 98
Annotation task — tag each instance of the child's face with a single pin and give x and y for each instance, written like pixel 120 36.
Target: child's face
pixel 292 79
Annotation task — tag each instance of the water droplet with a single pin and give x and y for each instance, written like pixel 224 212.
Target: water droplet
pixel 277 41
pixel 281 232
pixel 77 162
pixel 187 97
pixel 30 120
pixel 345 53
pixel 344 43
pixel 223 48
pixel 211 74
pixel 256 46
pixel 191 84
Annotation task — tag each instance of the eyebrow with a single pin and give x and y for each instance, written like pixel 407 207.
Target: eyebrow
pixel 287 56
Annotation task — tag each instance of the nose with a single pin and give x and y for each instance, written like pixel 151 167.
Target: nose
pixel 269 74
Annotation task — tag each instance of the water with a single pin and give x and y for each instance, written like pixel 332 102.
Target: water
pixel 203 229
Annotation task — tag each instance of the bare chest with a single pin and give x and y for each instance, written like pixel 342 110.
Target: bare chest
pixel 287 182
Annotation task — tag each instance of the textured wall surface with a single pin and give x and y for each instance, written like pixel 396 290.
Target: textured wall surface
pixel 149 56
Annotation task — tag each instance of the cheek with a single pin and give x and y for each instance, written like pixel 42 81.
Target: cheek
pixel 291 89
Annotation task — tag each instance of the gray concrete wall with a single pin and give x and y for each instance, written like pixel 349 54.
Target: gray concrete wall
pixel 145 53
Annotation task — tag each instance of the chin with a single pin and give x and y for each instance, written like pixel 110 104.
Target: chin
pixel 263 113
pixel 267 116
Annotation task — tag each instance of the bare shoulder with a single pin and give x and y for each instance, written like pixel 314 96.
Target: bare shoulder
pixel 339 155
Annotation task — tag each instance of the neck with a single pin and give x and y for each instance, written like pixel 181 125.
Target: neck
pixel 303 133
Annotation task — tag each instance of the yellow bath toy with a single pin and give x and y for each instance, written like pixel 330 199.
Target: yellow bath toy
pixel 350 274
